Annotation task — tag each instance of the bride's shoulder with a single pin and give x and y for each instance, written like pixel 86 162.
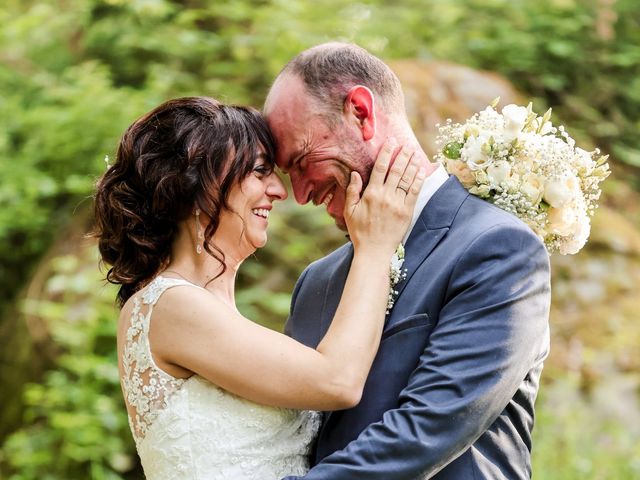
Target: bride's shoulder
pixel 177 297
pixel 167 296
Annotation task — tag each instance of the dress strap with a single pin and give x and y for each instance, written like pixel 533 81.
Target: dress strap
pixel 159 285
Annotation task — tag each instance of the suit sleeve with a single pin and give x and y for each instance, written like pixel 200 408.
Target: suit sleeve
pixel 491 330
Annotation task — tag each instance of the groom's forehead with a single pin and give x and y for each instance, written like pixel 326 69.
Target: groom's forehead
pixel 290 114
pixel 285 93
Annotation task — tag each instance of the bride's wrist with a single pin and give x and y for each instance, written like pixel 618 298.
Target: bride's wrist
pixel 374 253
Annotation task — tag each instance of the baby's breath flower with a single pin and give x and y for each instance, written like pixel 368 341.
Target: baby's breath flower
pixel 396 275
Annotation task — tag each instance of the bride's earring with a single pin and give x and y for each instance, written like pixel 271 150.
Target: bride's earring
pixel 199 233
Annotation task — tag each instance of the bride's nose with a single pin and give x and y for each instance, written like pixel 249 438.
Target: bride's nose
pixel 276 189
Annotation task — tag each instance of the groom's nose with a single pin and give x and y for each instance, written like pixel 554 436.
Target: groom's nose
pixel 302 188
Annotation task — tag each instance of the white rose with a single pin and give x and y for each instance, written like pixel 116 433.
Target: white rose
pixel 514 119
pixel 474 152
pixel 499 172
pixel 533 187
pixel 558 191
pixel 563 221
pixel 461 170
pixel 578 239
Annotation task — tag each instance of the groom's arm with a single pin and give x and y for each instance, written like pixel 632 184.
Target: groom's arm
pixel 492 329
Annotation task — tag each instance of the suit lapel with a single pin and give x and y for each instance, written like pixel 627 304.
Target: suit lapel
pixel 432 226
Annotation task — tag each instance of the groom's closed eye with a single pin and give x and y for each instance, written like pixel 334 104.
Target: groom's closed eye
pixel 297 158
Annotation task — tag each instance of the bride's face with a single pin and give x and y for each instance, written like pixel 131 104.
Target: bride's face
pixel 250 202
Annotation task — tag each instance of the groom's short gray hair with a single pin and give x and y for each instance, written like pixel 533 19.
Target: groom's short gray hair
pixel 330 70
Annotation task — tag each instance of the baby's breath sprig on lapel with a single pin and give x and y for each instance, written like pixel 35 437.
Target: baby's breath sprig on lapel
pixel 397 274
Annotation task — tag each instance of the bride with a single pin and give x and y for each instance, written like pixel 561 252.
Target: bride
pixel 209 393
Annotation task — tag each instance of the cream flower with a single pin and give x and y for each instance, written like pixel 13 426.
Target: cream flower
pixel 563 220
pixel 558 191
pixel 514 119
pixel 577 240
pixel 474 152
pixel 533 187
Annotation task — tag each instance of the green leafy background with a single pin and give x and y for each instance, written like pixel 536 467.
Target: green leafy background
pixel 75 73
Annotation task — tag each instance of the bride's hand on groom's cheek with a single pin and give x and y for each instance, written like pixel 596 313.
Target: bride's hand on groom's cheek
pixel 380 216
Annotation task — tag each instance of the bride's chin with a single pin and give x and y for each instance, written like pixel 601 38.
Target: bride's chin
pixel 251 246
pixel 258 246
pixel 256 243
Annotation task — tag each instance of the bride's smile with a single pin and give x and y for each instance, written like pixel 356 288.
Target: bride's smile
pixel 244 226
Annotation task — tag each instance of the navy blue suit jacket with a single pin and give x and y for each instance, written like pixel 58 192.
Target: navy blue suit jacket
pixel 451 392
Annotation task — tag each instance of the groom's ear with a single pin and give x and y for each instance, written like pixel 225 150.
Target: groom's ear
pixel 359 107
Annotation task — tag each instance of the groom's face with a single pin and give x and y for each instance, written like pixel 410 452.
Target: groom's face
pixel 318 157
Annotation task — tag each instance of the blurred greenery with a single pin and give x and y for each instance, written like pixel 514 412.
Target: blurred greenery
pixel 75 73
pixel 74 425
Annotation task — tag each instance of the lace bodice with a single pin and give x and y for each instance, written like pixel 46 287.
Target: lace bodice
pixel 192 429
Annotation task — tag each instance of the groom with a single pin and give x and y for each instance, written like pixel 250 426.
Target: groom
pixel 451 392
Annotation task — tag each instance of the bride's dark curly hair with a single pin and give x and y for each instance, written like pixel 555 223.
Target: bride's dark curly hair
pixel 185 154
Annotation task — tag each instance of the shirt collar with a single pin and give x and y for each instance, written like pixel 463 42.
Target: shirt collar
pixel 431 184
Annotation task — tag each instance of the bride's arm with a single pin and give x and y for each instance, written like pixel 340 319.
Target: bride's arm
pixel 194 330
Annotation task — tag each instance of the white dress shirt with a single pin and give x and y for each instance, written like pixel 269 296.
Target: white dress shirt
pixel 431 184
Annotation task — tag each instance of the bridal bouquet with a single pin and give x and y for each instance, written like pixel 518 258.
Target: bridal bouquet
pixel 520 162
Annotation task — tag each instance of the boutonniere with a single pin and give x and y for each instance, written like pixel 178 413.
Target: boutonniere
pixel 397 274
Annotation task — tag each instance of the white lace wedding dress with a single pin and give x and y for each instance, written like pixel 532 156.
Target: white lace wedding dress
pixel 191 429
